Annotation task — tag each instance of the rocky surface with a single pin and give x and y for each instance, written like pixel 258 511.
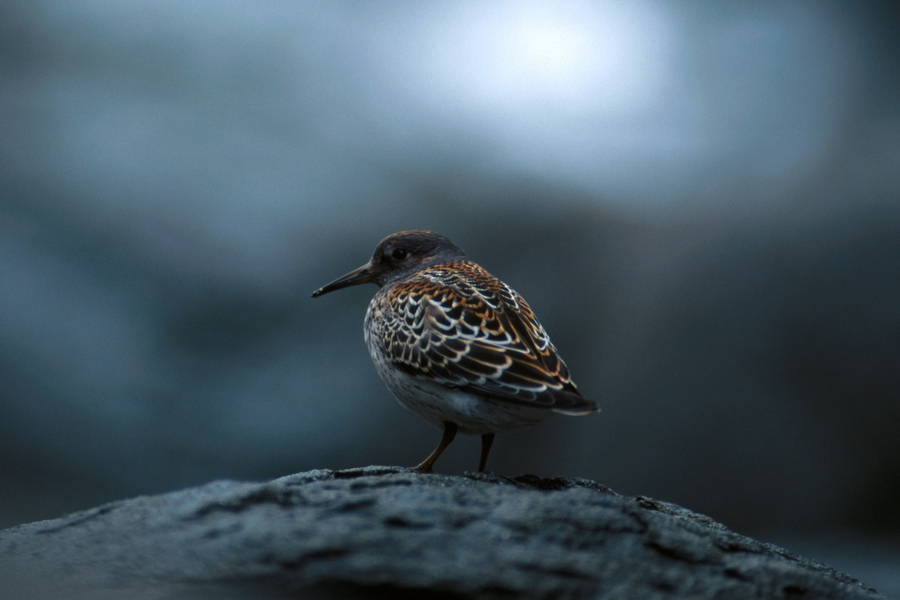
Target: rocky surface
pixel 383 530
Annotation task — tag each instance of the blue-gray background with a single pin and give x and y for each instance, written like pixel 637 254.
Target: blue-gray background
pixel 701 202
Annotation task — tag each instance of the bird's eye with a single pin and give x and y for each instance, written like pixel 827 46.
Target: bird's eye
pixel 399 253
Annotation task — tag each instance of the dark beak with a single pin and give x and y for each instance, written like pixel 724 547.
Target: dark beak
pixel 355 277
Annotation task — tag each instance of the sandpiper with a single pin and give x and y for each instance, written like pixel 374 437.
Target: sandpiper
pixel 457 345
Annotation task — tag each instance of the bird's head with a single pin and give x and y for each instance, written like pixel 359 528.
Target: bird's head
pixel 397 256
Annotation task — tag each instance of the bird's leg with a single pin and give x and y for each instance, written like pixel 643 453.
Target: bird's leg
pixel 487 440
pixel 449 433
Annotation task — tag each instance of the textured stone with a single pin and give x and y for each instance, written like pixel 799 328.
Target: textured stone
pixel 364 532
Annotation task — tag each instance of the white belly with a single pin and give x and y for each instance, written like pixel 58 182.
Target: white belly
pixel 438 403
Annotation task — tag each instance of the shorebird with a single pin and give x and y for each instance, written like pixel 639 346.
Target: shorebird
pixel 457 345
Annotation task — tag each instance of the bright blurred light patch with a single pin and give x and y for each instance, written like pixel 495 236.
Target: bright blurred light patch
pixel 640 102
pixel 536 57
pixel 573 57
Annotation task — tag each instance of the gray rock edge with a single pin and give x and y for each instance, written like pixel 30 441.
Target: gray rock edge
pixel 372 531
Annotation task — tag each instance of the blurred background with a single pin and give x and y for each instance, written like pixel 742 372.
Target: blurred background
pixel 701 202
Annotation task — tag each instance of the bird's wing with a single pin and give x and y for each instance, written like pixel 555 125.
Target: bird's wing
pixel 477 334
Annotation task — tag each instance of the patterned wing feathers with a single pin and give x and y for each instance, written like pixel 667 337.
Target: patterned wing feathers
pixel 468 330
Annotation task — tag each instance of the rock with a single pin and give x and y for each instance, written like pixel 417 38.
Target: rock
pixel 384 530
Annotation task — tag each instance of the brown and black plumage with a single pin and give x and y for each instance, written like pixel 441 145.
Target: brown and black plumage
pixel 457 345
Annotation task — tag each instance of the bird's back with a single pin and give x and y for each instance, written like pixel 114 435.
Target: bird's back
pixel 459 326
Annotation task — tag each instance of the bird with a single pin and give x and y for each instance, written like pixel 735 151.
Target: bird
pixel 456 345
